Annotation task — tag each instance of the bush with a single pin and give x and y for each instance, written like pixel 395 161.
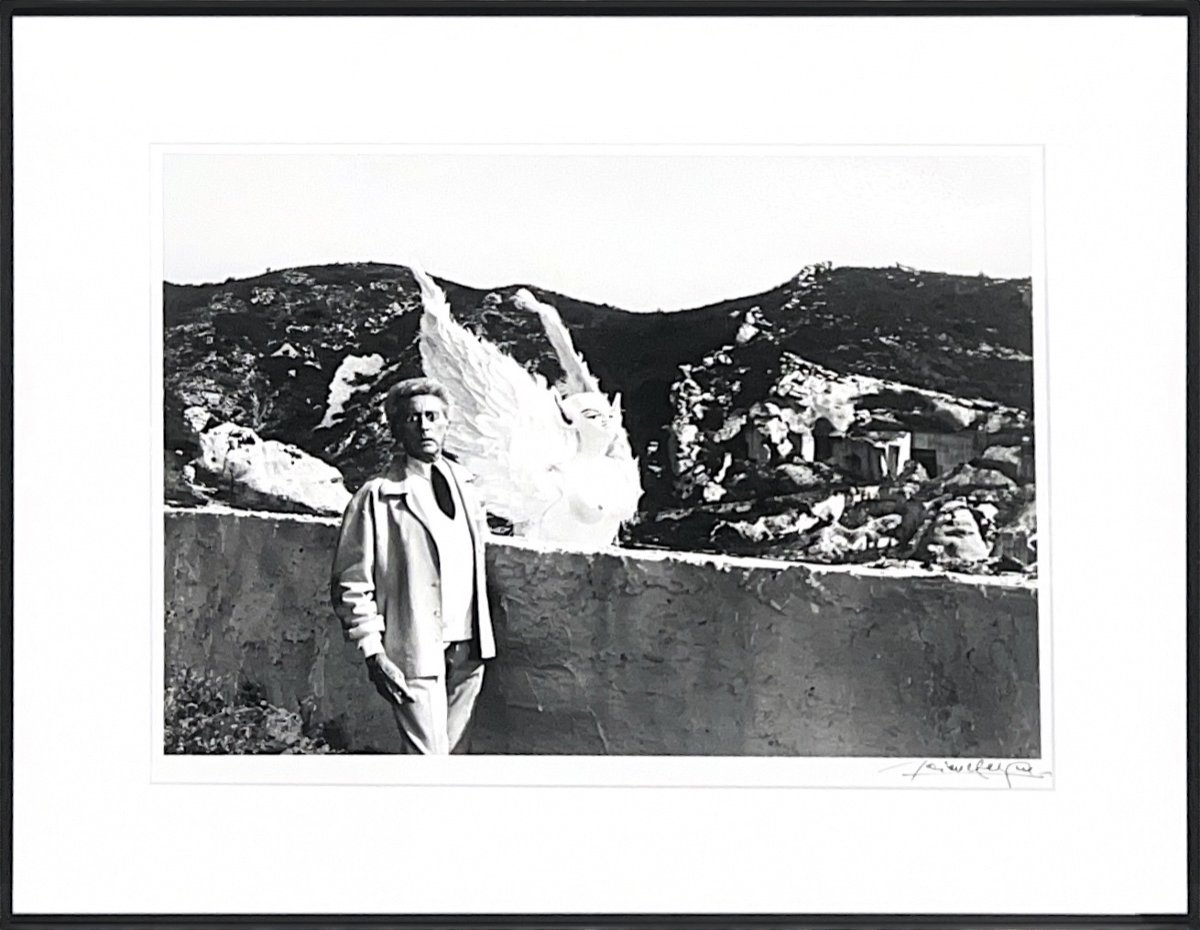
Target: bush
pixel 209 714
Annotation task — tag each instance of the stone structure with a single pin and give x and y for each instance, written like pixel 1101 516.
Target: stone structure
pixel 941 452
pixel 629 652
pixel 872 455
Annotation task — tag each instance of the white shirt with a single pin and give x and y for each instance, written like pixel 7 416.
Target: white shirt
pixel 456 552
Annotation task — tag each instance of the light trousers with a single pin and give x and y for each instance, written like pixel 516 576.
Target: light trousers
pixel 438 720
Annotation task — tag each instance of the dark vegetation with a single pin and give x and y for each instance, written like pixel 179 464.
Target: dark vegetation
pixel 206 713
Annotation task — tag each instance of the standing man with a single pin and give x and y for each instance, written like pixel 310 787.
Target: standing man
pixel 408 577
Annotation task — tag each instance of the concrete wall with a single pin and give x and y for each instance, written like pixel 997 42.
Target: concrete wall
pixel 637 652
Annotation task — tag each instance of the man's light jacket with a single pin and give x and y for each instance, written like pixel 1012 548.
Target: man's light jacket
pixel 386 583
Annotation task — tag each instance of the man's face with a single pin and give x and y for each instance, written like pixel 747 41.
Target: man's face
pixel 424 427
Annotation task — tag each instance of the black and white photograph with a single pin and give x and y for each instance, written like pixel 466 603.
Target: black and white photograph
pixel 650 452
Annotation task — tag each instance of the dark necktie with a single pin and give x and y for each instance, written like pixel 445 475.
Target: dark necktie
pixel 441 490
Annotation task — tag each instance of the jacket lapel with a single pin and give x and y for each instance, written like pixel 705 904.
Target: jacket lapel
pixel 404 494
pixel 415 502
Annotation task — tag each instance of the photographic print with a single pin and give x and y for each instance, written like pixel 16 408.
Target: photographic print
pixel 605 452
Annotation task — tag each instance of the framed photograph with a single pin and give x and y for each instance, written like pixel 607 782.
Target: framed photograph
pixel 675 465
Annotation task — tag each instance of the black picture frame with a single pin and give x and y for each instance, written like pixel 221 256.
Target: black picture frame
pixel 15 9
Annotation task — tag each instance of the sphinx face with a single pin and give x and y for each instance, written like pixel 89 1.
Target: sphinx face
pixel 594 419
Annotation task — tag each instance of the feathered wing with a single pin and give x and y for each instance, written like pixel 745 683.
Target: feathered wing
pixel 506 427
pixel 578 377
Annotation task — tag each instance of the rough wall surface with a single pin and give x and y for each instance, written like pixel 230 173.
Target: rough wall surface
pixel 637 652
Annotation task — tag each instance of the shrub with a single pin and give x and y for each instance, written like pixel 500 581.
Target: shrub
pixel 210 714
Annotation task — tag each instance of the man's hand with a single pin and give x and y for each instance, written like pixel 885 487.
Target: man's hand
pixel 388 679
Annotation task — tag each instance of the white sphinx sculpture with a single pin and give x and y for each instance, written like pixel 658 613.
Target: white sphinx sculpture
pixel 553 461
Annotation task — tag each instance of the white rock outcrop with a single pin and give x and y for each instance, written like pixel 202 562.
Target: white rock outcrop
pixel 258 468
pixel 343 385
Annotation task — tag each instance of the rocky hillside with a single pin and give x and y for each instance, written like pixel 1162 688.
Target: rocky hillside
pixel 303 357
pixel 263 353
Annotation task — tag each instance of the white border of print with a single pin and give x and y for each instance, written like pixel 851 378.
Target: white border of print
pixel 549 770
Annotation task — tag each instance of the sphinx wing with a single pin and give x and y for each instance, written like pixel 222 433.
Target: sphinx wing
pixel 577 377
pixel 505 425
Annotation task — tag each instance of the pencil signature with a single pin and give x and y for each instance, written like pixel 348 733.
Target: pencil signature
pixel 1014 772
